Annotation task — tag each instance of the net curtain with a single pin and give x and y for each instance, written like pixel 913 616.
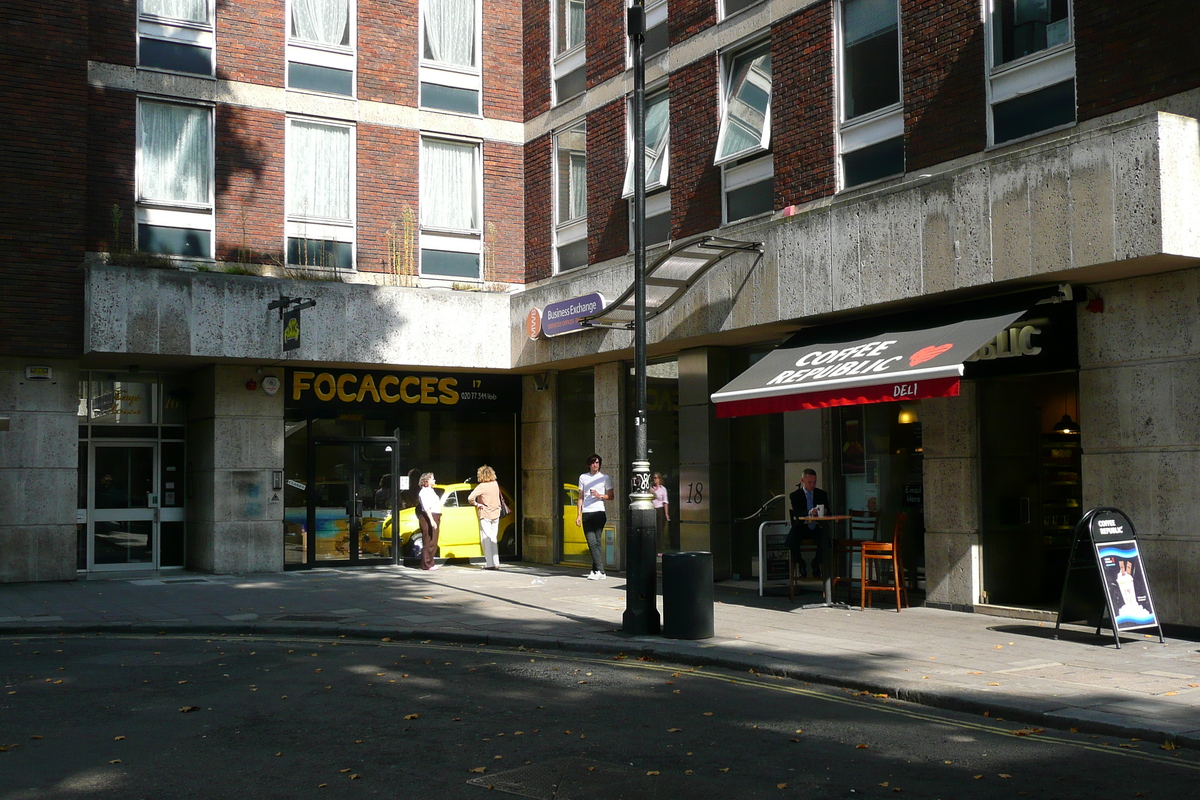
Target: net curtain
pixel 321 21
pixel 450 31
pixel 319 171
pixel 448 185
pixel 176 153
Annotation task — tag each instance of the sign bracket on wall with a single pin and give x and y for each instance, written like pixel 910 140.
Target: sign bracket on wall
pixel 289 313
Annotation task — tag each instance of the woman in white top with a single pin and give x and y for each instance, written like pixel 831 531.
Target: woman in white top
pixel 594 488
pixel 429 515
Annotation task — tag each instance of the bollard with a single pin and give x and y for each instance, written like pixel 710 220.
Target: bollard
pixel 687 589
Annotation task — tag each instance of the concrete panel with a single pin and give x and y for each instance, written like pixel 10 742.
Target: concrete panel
pixel 39 496
pixel 1179 142
pixel 1050 214
pixel 905 222
pixel 1144 318
pixel 39 441
pixel 951 566
pixel 951 494
pixel 1144 405
pixel 1011 248
pixel 248 443
pixel 970 227
pixel 1136 207
pixel 948 424
pixel 234 399
pixel 846 268
pixel 1157 489
pixel 875 251
pixel 937 242
pixel 814 255
pixel 37 553
pixel 243 547
pixel 1093 235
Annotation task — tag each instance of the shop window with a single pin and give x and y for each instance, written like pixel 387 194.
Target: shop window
pixel 450 45
pixel 1031 82
pixel 320 195
pixel 176 36
pixel 451 227
pixel 320 46
pixel 570 191
pixel 871 128
pixel 658 135
pixel 175 179
pixel 570 57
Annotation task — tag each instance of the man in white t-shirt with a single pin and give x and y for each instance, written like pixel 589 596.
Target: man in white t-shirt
pixel 594 488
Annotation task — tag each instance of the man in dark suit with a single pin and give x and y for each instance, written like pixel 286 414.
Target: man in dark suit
pixel 806 497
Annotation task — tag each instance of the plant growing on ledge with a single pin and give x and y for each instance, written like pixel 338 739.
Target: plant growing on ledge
pixel 402 245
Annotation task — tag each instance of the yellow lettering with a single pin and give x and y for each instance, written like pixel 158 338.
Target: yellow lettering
pixel 404 395
pixel 343 395
pixel 300 382
pixel 446 386
pixel 368 385
pixel 324 387
pixel 385 382
pixel 428 384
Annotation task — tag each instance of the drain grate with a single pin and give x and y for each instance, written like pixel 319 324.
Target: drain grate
pixel 572 779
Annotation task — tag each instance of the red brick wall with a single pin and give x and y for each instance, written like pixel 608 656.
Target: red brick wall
pixel 695 182
pixel 539 206
pixel 250 41
pixel 605 40
pixel 43 154
pixel 387 194
pixel 608 213
pixel 945 105
pixel 536 37
pixel 112 31
pixel 502 54
pixel 802 115
pixel 1134 52
pixel 111 142
pixel 249 168
pixel 388 49
pixel 503 212
pixel 686 18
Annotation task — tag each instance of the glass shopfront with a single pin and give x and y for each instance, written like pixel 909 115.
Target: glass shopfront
pixel 132 482
pixel 356 443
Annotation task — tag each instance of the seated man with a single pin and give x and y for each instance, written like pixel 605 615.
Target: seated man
pixel 806 497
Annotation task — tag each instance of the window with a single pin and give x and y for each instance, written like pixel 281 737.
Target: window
pixel 658 219
pixel 658 135
pixel 450 45
pixel 451 212
pixel 570 189
pixel 731 7
pixel 746 114
pixel 175 179
pixel 320 195
pixel 567 69
pixel 657 35
pixel 320 46
pixel 176 36
pixel 749 188
pixel 1031 84
pixel 871 130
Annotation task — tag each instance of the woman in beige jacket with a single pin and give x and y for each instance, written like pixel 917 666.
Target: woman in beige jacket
pixel 486 499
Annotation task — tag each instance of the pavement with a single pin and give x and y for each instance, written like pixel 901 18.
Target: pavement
pixel 1005 668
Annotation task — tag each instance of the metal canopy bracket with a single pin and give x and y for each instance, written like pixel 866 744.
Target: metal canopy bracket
pixel 669 278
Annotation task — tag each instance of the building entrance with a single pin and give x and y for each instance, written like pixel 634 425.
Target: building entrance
pixel 350 500
pixel 123 507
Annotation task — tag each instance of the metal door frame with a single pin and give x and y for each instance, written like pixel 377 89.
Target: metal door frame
pixel 354 442
pixel 154 513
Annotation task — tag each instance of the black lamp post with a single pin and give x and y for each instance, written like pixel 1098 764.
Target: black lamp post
pixel 641 606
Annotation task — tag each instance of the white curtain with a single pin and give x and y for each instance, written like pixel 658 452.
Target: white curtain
pixel 450 31
pixel 578 189
pixel 318 171
pixel 321 21
pixel 448 185
pixel 176 153
pixel 571 24
pixel 190 10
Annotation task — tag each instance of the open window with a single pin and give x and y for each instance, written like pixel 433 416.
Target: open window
pixel 450 47
pixel 175 179
pixel 320 46
pixel 744 140
pixel 320 195
pixel 451 208
pixel 176 36
pixel 1031 80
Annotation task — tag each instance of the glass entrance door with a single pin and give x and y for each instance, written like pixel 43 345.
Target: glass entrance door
pixel 123 514
pixel 351 501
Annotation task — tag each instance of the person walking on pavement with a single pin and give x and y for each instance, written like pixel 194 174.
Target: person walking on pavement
pixel 429 515
pixel 486 499
pixel 807 497
pixel 594 488
pixel 662 513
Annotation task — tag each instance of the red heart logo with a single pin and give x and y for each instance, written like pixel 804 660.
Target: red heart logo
pixel 927 353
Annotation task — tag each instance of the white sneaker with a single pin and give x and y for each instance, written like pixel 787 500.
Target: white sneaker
pixel 595 576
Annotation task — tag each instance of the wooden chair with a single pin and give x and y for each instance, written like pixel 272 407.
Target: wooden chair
pixel 864 525
pixel 874 557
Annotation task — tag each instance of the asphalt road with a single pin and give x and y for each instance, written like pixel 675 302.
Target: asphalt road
pixel 127 716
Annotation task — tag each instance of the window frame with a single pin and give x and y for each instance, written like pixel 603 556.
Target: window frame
pixel 723 12
pixel 175 214
pixel 1026 75
pixel 445 239
pixel 179 31
pixel 314 228
pixel 316 54
pixel 451 75
pixel 574 229
pixel 658 204
pixel 569 60
pixel 728 58
pixel 663 151
pixel 873 127
pixel 748 172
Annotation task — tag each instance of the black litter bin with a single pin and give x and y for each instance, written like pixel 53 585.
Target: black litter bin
pixel 687 589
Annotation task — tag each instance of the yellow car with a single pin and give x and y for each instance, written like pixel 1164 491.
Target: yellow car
pixel 575 549
pixel 458 535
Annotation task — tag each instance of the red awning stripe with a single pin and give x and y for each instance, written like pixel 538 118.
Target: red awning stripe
pixel 893 391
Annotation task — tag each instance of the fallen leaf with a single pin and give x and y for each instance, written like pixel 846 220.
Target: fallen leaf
pixel 993 684
pixel 1165 694
pixel 724 769
pixel 884 784
pixel 118 738
pixel 781 786
pixel 687 772
pixel 652 772
pixel 412 716
pixel 322 785
pixel 860 747
pixel 358 741
pixel 386 639
pixel 1005 775
pixel 1169 745
pixel 674 691
pixel 793 739
pixel 115 761
pixel 277 755
pixel 708 713
pixel 674 730
pixel 998 647
pixel 354 776
pixel 1126 744
pixel 189 709
pixel 1073 730
pixel 479 769
pixel 978 777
